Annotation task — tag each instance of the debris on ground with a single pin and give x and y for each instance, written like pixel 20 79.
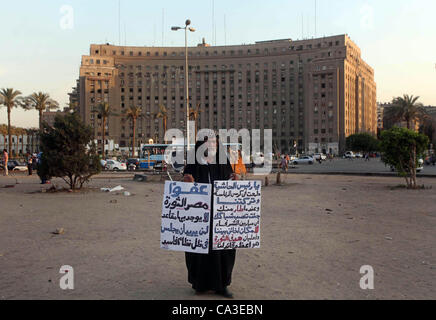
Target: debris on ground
pixel 59 231
pixel 117 188
pixel 127 193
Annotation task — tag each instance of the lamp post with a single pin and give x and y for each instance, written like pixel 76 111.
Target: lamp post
pixel 186 28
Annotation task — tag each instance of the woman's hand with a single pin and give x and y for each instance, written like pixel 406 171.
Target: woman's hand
pixel 188 178
pixel 234 176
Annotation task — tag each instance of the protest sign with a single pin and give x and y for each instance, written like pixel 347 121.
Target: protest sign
pixel 186 217
pixel 236 214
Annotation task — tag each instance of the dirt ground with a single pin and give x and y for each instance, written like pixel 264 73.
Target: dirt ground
pixel 308 252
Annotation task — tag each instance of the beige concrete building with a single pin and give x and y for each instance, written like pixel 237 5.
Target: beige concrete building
pixel 315 92
pixel 49 116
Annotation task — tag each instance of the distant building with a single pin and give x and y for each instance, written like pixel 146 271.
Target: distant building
pixel 380 115
pixel 49 116
pixel 21 144
pixel 314 92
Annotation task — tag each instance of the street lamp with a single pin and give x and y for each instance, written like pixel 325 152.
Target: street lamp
pixel 186 28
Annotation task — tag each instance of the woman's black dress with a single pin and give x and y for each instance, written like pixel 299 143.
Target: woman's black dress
pixel 212 271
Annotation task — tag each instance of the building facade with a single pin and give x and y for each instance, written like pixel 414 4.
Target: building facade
pixel 22 144
pixel 312 93
pixel 50 116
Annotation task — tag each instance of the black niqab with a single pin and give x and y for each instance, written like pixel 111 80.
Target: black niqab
pixel 212 271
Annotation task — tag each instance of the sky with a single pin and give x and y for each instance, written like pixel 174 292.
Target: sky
pixel 43 40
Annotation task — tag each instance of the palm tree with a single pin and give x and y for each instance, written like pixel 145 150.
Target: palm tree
pixel 40 102
pixel 163 113
pixel 194 114
pixel 133 113
pixel 103 112
pixel 10 98
pixel 406 109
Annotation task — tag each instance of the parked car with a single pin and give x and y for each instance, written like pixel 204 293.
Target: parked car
pixel 349 155
pixel 115 165
pixel 419 168
pixel 319 156
pixel 15 165
pixel 358 155
pixel 103 163
pixel 258 159
pixel 304 160
pixel 133 163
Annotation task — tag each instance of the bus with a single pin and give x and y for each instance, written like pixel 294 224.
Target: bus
pixel 153 155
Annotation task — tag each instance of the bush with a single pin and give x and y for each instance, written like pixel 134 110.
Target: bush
pixel 67 152
pixel 401 149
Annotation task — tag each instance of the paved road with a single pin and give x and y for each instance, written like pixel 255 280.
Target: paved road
pixel 375 166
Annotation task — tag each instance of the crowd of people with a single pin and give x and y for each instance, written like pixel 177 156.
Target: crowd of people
pixel 33 161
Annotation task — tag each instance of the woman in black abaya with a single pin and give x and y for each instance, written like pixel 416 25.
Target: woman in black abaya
pixel 212 271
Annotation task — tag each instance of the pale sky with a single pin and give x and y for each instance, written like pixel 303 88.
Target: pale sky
pixel 41 49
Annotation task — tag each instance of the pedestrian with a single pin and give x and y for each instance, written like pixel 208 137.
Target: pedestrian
pixel 30 165
pixel 42 176
pixel 283 164
pixel 212 271
pixel 5 161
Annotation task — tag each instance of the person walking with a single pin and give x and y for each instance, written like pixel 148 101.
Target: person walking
pixel 30 165
pixel 5 161
pixel 284 164
pixel 212 271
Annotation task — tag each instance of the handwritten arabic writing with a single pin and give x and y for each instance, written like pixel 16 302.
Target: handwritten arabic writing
pixel 236 214
pixel 186 217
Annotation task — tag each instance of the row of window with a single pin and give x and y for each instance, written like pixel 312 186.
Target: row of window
pixel 208 52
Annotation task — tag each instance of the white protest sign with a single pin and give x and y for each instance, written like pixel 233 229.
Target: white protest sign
pixel 236 214
pixel 186 217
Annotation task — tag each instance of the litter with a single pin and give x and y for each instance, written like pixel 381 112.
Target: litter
pixel 117 188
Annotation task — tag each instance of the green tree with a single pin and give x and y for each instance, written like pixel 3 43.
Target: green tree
pixel 10 98
pixel 133 113
pixel 401 149
pixel 406 108
pixel 362 142
pixel 68 151
pixel 72 107
pixel 40 101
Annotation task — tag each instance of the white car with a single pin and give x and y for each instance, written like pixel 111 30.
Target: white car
pixel 103 163
pixel 349 155
pixel 115 165
pixel 258 159
pixel 304 160
pixel 419 168
pixel 319 156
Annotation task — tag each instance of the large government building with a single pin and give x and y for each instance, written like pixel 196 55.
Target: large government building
pixel 312 93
